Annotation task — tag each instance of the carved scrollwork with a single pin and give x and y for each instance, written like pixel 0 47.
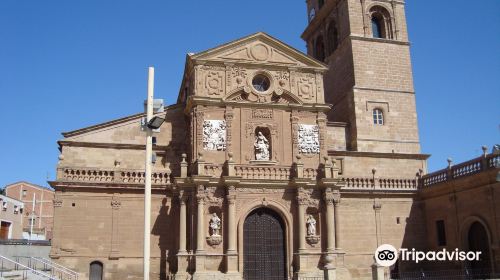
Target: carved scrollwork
pixel 304 197
pixel 116 204
pixel 57 202
pixel 331 196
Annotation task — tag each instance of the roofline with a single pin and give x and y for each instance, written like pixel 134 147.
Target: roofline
pixel 110 123
pixel 28 183
pixel 322 65
pixel 17 200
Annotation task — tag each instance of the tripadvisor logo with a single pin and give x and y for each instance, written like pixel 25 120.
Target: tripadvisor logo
pixel 387 255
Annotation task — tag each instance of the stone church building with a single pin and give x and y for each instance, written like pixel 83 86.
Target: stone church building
pixel 272 164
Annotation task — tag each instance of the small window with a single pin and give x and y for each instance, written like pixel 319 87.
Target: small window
pixel 4 205
pixel 24 193
pixel 376 27
pixel 320 49
pixel 378 117
pixel 332 37
pixel 16 209
pixel 441 233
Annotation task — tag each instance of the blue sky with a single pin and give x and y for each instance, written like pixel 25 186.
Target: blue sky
pixel 65 65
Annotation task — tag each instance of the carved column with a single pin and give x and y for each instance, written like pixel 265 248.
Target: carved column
pixel 338 232
pixel 232 258
pixel 115 217
pixel 182 255
pixel 330 219
pixel 302 199
pixel 200 230
pixel 376 207
pixel 182 223
pixel 200 233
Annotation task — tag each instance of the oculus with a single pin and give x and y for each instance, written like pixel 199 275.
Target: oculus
pixel 261 83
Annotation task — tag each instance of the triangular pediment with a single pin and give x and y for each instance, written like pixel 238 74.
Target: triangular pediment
pixel 256 49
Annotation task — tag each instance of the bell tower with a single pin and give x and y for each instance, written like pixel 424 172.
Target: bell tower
pixel 369 79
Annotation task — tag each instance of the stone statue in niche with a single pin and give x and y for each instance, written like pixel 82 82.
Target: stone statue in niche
pixel 215 224
pixel 261 147
pixel 214 135
pixel 308 139
pixel 311 226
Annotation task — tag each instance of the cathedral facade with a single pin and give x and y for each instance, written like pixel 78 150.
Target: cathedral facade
pixel 273 164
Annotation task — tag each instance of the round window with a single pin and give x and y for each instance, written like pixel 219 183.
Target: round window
pixel 261 83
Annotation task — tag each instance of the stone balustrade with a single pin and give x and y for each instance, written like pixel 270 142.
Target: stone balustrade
pixel 98 175
pixel 463 169
pixel 263 172
pixel 379 184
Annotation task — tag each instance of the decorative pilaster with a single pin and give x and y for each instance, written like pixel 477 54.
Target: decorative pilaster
pixel 115 218
pixel 54 251
pixel 229 116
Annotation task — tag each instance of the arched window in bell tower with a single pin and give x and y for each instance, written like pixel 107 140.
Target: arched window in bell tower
pixel 376 27
pixel 381 23
pixel 319 49
pixel 332 37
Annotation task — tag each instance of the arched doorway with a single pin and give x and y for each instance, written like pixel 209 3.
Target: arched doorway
pixel 95 271
pixel 264 246
pixel 478 241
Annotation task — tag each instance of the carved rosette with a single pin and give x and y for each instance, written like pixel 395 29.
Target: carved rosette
pixel 214 83
pixel 305 87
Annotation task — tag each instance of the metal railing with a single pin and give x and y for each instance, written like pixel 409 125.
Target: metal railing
pixel 7 265
pixel 458 274
pixel 72 273
pixel 55 270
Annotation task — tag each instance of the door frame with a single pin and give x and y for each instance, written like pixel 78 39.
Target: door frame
pixel 283 213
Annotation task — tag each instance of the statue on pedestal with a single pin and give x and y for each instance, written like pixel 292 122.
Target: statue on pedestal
pixel 311 226
pixel 215 224
pixel 261 147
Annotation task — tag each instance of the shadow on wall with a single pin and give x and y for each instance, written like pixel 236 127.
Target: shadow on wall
pixel 162 227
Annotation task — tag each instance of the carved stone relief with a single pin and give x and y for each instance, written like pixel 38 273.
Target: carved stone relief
pixel 305 87
pixel 214 83
pixel 262 114
pixel 214 135
pixel 308 139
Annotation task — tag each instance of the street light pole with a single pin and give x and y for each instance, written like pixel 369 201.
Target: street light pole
pixel 147 188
